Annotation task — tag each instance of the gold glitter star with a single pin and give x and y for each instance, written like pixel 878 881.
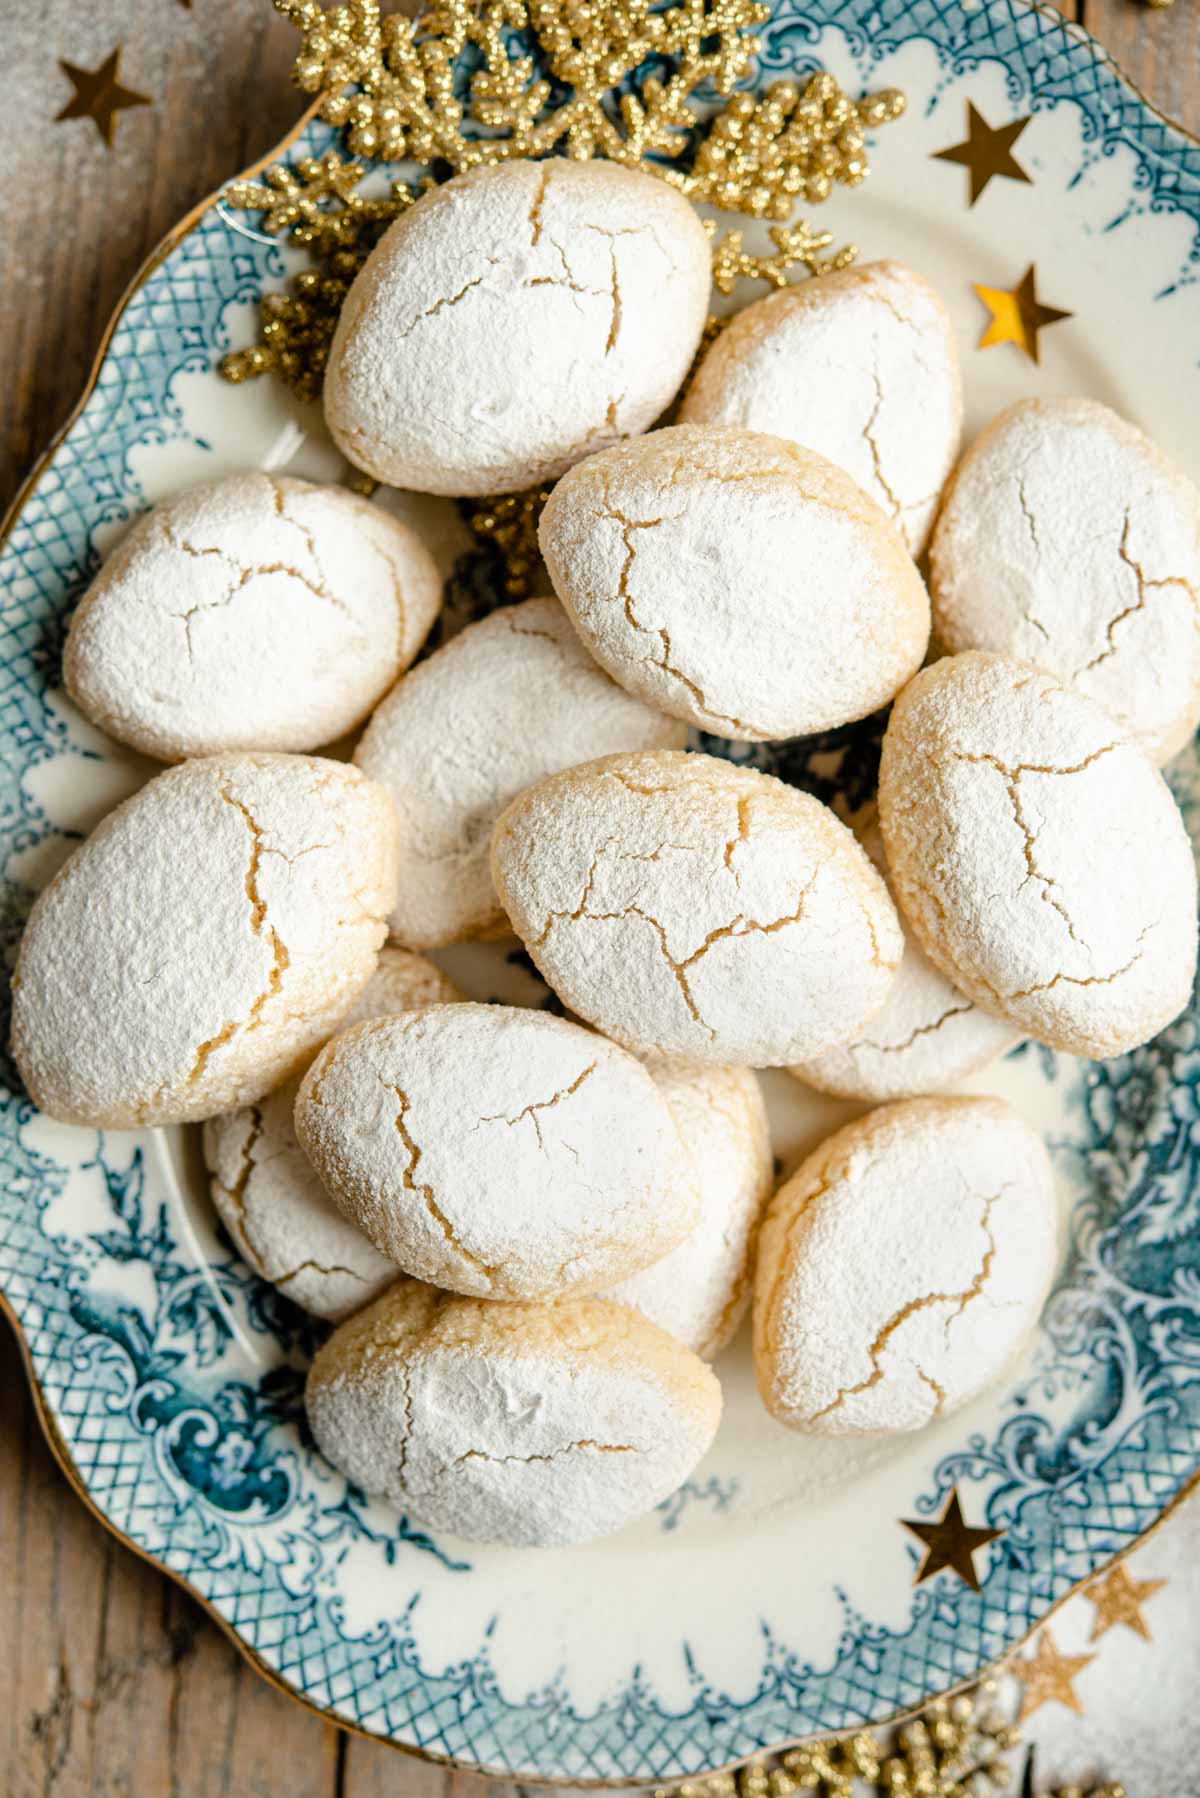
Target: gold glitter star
pixel 1117 1598
pixel 99 95
pixel 987 151
pixel 1017 315
pixel 950 1542
pixel 1048 1676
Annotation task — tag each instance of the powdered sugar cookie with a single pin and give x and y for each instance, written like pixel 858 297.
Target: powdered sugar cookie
pixel 517 318
pixel 700 1291
pixel 256 612
pixel 689 907
pixel 498 1152
pixel 280 1217
pixel 1038 855
pixel 509 700
pixel 736 581
pixel 207 935
pixel 927 1037
pixel 860 366
pixel 1068 540
pixel 527 1424
pixel 902 1266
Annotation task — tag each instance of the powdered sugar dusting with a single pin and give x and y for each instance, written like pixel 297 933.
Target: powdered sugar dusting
pixel 902 1266
pixel 508 701
pixel 279 1215
pixel 699 1292
pixel 1038 855
pixel 927 1037
pixel 526 1424
pixel 860 366
pixel 256 612
pixel 688 907
pixel 497 1151
pixel 516 319
pixel 1070 541
pixel 206 936
pixel 736 580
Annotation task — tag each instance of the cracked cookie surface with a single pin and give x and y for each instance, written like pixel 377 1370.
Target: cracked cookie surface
pixel 498 1152
pixel 509 700
pixel 902 1266
pixel 1038 855
pixel 688 907
pixel 926 1038
pixel 203 940
pixel 254 612
pixel 525 1424
pixel 735 580
pixel 859 366
pixel 1067 539
pixel 699 1292
pixel 515 319
pixel 266 1193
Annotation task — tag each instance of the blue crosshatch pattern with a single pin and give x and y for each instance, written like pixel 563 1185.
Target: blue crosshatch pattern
pixel 210 1473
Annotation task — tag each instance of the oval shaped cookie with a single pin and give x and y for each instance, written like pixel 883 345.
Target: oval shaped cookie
pixel 281 1219
pixel 902 1266
pixel 498 1152
pixel 515 319
pixel 1038 855
pixel 506 702
pixel 689 907
pixel 699 1291
pixel 1067 539
pixel 527 1424
pixel 861 367
pixel 736 581
pixel 926 1037
pixel 201 942
pixel 256 612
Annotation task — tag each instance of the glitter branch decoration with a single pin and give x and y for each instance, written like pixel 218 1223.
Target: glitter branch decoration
pixel 484 81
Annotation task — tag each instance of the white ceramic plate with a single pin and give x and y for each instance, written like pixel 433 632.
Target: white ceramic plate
pixel 774 1596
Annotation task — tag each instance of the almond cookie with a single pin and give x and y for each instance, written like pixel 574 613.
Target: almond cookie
pixel 860 366
pixel 927 1037
pixel 515 319
pixel 902 1266
pixel 1038 855
pixel 499 1152
pixel 203 940
pixel 689 907
pixel 256 612
pixel 281 1219
pixel 506 702
pixel 736 581
pixel 1068 540
pixel 532 1425
pixel 700 1291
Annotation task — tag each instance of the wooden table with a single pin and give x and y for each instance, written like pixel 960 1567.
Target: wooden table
pixel 115 1682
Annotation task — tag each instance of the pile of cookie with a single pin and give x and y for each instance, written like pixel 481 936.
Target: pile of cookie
pixel 535 1232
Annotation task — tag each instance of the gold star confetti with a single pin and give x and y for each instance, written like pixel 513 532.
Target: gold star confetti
pixel 1118 1598
pixel 99 95
pixel 1017 315
pixel 950 1542
pixel 986 152
pixel 1048 1676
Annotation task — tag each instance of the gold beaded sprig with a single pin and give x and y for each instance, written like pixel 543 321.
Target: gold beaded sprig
pixel 410 103
pixel 761 155
pixel 548 74
pixel 511 524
